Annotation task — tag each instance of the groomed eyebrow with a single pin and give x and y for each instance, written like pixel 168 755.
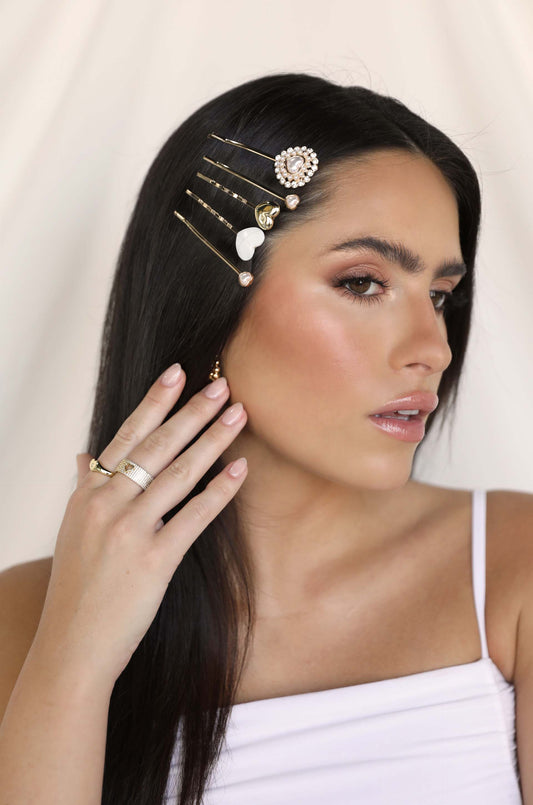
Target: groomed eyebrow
pixel 396 252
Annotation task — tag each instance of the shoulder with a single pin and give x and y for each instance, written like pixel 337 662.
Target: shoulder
pixel 22 592
pixel 514 511
pixel 509 563
pixel 510 529
pixel 509 525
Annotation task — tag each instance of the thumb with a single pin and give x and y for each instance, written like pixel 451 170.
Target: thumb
pixel 82 460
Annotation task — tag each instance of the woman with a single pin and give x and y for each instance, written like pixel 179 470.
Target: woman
pixel 319 610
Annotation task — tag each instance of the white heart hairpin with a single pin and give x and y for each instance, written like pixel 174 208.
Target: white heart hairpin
pixel 246 240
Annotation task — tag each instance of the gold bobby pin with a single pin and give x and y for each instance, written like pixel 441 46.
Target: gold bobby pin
pixel 240 145
pixel 265 213
pixel 246 241
pixel 291 201
pixel 245 278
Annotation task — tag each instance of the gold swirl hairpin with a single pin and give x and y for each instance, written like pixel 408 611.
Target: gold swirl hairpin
pixel 265 213
pixel 293 167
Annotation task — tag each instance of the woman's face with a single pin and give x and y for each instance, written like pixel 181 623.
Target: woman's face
pixel 310 360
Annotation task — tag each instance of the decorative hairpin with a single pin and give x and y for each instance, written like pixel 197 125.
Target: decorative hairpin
pixel 294 167
pixel 245 278
pixel 265 213
pixel 246 240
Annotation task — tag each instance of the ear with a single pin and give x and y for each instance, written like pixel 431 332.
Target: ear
pixel 82 460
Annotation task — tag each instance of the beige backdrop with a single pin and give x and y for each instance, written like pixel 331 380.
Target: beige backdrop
pixel 92 88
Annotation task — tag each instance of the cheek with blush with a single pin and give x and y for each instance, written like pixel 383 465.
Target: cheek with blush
pixel 310 373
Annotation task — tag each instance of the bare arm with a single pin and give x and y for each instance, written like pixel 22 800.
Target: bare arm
pixel 113 560
pixel 53 711
pixel 53 734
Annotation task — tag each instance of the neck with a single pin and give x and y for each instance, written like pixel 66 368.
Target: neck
pixel 301 529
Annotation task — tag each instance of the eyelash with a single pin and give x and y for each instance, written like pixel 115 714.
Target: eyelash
pixel 452 299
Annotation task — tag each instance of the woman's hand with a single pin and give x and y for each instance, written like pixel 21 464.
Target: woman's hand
pixel 114 556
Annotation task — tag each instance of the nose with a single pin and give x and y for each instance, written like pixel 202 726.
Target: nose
pixel 424 338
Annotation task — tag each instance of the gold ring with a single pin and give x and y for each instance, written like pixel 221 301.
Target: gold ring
pixel 95 466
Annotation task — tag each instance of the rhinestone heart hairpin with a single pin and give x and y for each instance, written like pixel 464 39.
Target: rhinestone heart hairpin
pixel 293 167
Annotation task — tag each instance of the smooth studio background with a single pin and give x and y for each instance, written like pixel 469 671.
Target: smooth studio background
pixel 91 90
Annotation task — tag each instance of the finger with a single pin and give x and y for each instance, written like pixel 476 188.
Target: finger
pixel 181 476
pixel 148 415
pixel 177 536
pixel 82 460
pixel 156 452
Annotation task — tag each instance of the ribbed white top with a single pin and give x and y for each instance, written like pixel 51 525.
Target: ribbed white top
pixel 435 737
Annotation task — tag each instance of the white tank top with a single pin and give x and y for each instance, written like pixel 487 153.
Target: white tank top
pixel 441 736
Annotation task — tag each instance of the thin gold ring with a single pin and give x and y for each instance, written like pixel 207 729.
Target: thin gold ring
pixel 95 466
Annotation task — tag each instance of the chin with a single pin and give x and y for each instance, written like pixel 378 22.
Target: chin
pixel 387 473
pixel 378 474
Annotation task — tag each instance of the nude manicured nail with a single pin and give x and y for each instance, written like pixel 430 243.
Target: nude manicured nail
pixel 237 467
pixel 231 416
pixel 216 388
pixel 171 376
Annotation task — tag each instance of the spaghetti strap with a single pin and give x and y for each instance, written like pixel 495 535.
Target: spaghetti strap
pixel 479 540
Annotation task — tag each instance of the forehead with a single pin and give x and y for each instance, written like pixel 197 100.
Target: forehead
pixel 386 178
pixel 391 194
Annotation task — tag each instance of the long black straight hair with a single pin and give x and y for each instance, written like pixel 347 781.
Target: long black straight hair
pixel 171 300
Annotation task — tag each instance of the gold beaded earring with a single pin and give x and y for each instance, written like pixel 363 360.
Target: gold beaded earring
pixel 214 374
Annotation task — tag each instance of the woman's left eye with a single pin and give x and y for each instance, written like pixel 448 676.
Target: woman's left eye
pixel 361 280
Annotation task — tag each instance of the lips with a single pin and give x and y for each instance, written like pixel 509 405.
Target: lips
pixel 424 401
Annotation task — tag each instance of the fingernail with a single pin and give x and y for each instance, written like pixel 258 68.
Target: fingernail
pixel 171 375
pixel 216 388
pixel 231 416
pixel 237 467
